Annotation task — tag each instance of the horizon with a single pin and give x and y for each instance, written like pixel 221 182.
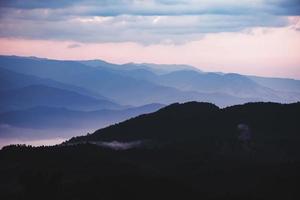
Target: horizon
pixel 148 63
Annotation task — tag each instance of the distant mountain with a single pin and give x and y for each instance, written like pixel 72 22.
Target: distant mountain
pixel 13 80
pixel 189 78
pixel 288 89
pixel 41 95
pixel 45 117
pixel 139 84
pixel 154 68
pixel 235 85
pixel 121 87
pixel 98 63
pixel 280 84
pixel 232 84
pixel 158 68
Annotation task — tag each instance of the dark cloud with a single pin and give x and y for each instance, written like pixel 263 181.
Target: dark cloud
pixel 282 7
pixel 32 4
pixel 162 7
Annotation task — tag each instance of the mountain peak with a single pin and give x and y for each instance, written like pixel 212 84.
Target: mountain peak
pixel 190 107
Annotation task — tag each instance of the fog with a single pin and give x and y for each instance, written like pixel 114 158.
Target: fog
pixel 37 137
pixel 116 145
pixel 33 142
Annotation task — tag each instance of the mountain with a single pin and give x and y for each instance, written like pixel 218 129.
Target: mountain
pixel 232 84
pixel 98 63
pixel 154 68
pixel 196 121
pixel 121 87
pixel 280 84
pixel 103 81
pixel 123 83
pixel 188 78
pixel 158 69
pixel 13 80
pixel 182 151
pixel 41 95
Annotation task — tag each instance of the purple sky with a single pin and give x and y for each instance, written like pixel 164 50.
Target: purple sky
pixel 259 37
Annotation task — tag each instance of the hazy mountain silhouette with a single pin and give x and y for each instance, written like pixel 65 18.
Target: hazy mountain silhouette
pixel 280 84
pixel 186 77
pixel 41 95
pixel 159 69
pixel 30 85
pixel 233 84
pixel 154 68
pixel 12 80
pixel 114 85
pixel 189 78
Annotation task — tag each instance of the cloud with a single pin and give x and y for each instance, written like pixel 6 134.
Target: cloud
pixel 32 4
pixel 116 145
pixel 146 22
pixel 161 7
pixel 142 29
pixel 71 46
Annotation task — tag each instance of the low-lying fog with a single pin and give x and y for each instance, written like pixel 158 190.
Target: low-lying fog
pixel 37 137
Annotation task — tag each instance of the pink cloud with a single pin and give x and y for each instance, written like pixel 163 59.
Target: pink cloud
pixel 260 51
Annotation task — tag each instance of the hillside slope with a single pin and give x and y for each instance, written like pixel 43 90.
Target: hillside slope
pixel 183 151
pixel 195 121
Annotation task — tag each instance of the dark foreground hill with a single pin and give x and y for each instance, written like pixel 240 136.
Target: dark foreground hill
pixel 199 121
pixel 183 151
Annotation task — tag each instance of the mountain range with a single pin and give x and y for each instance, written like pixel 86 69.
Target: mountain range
pixel 54 89
pixel 123 83
pixel 41 95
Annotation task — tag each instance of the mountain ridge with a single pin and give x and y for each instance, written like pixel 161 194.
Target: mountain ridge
pixel 39 95
pixel 176 119
pixel 182 151
pixel 118 87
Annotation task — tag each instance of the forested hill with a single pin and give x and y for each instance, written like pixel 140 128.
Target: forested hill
pixel 183 151
pixel 193 121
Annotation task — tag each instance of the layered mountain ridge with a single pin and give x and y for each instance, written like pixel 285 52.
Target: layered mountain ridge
pixel 77 89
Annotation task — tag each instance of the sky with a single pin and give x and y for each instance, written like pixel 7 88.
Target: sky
pixel 258 37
